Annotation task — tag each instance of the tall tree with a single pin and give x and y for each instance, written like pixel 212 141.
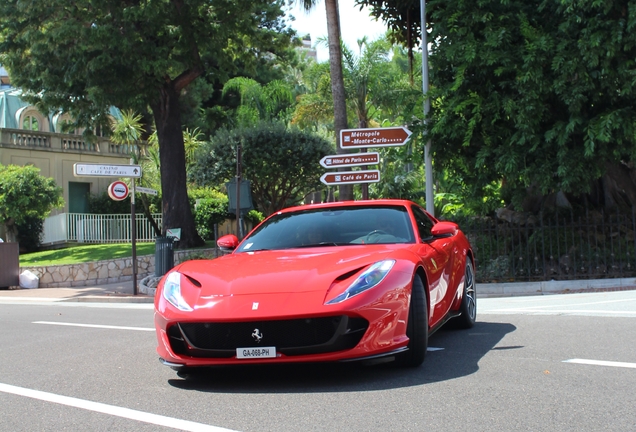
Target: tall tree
pixel 83 56
pixel 337 80
pixel 539 93
pixel 402 18
pixel 259 103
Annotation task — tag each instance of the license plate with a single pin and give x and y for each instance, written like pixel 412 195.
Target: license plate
pixel 252 353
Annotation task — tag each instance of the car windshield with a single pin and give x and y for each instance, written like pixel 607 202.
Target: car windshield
pixel 335 226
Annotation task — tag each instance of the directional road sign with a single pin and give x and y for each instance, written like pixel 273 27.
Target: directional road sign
pixel 351 177
pixel 347 160
pixel 106 170
pixel 379 137
pixel 145 190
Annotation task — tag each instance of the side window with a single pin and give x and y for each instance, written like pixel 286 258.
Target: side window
pixel 424 223
pixel 30 123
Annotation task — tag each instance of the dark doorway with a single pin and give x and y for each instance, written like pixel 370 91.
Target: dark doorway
pixel 78 197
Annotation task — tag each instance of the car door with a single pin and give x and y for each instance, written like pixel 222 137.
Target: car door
pixel 437 259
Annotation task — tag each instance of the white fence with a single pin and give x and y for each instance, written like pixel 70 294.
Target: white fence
pixel 94 228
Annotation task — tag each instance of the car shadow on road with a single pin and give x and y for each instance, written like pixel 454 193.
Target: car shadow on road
pixel 460 355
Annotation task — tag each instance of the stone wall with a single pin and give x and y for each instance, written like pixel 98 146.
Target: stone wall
pixel 105 272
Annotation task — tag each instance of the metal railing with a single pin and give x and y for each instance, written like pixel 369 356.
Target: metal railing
pixel 593 245
pixel 97 228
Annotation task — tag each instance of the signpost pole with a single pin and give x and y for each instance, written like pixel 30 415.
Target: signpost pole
pixel 428 161
pixel 238 192
pixel 133 235
pixel 364 186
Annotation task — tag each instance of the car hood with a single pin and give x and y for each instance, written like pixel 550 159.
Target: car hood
pixel 282 271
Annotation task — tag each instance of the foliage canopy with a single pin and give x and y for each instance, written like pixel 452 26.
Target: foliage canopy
pixel 281 164
pixel 539 93
pixel 83 57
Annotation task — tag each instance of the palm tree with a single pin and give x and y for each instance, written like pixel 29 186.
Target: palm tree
pixel 337 81
pixel 259 102
pixel 128 131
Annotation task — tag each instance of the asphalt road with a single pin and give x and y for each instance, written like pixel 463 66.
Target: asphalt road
pixel 549 363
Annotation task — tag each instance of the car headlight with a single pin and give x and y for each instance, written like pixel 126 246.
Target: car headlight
pixel 370 278
pixel 172 292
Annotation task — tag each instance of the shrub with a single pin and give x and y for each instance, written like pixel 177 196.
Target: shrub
pixel 103 204
pixel 30 233
pixel 210 211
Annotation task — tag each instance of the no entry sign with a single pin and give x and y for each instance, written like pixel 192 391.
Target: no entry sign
pixel 118 190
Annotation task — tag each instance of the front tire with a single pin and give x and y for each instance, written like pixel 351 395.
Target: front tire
pixel 468 308
pixel 417 327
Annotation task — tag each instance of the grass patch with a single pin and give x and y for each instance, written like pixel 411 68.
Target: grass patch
pixel 88 253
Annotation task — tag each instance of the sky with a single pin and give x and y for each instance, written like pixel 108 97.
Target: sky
pixel 355 24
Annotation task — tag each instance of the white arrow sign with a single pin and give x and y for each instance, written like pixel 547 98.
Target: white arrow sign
pixel 351 177
pixel 378 137
pixel 145 190
pixel 353 159
pixel 105 170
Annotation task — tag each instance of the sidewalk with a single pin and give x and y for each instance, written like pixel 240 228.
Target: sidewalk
pixel 121 292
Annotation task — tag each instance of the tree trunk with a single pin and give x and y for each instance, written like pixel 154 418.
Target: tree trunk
pixel 176 207
pixel 337 84
pixel 619 187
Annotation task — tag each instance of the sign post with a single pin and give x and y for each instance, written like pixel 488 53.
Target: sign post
pixel 133 236
pixel 118 191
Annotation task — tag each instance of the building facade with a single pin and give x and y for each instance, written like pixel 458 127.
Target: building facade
pixel 29 137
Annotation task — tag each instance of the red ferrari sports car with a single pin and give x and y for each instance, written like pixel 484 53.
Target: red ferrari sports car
pixel 339 281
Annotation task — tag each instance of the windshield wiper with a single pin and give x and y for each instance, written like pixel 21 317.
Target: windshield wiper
pixel 321 244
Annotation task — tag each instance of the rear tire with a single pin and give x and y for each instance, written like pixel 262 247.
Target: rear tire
pixel 416 328
pixel 468 308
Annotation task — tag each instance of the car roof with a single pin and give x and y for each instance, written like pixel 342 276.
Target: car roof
pixel 361 203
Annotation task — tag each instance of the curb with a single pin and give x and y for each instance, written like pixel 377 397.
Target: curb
pixel 511 289
pixel 111 299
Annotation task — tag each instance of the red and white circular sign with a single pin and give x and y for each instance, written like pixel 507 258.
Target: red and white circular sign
pixel 118 190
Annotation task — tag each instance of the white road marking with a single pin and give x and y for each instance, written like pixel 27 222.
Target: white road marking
pixel 31 299
pixel 602 363
pixel 558 311
pixel 434 349
pixel 94 326
pixel 67 303
pixel 572 304
pixel 141 416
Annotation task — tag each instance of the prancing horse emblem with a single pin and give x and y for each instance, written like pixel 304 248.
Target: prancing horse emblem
pixel 257 335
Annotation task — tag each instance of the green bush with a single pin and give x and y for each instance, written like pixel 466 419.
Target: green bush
pixel 104 204
pixel 211 207
pixel 30 233
pixel 254 216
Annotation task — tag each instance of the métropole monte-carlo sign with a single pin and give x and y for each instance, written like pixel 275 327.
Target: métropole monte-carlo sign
pixel 380 137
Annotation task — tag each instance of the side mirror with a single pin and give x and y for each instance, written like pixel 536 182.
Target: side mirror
pixel 227 243
pixel 444 229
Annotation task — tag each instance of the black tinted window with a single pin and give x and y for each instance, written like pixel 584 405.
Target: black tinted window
pixel 424 223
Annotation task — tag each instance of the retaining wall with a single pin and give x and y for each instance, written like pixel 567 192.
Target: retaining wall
pixel 104 272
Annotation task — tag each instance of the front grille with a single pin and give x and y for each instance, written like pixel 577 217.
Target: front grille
pixel 290 337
